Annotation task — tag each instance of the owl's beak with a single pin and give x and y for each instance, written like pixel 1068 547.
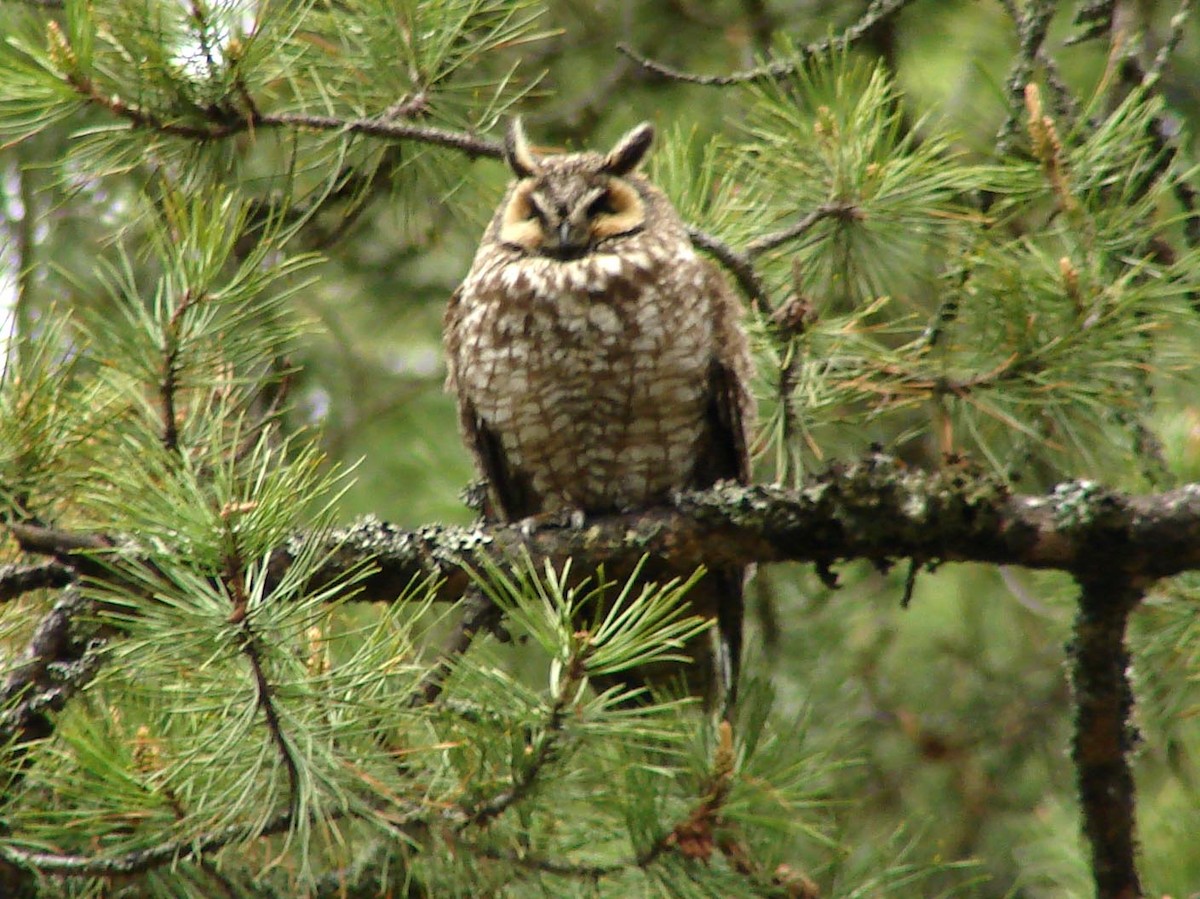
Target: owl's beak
pixel 569 240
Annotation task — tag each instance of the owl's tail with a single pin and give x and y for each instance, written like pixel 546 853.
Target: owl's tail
pixel 730 585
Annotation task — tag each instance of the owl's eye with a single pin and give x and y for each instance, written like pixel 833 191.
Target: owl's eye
pixel 536 213
pixel 602 205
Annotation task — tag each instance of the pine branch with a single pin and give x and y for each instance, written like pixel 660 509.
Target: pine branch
pixel 222 123
pixel 1115 544
pixel 165 853
pixel 766 242
pixel 523 782
pixel 1065 105
pixel 479 614
pixel 740 263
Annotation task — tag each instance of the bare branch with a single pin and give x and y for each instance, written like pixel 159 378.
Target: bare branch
pixel 873 16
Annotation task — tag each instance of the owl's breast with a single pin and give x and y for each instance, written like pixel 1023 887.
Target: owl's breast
pixel 591 373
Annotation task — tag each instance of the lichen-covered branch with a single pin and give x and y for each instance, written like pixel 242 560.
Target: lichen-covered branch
pixel 1031 32
pixel 875 509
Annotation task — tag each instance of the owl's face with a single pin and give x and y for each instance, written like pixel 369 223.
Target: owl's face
pixel 566 207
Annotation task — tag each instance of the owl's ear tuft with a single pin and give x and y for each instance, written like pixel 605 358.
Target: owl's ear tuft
pixel 629 150
pixel 517 152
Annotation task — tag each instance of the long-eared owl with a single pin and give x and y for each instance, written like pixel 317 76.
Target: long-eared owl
pixel 600 364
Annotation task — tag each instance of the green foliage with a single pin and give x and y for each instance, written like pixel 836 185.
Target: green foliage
pixel 1023 333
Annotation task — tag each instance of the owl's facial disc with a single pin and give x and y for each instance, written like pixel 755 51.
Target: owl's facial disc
pixel 548 220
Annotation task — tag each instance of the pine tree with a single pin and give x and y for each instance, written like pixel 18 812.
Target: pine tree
pixel 230 230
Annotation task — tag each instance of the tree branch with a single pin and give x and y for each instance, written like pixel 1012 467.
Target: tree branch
pixel 165 853
pixel 873 509
pixel 739 264
pixel 222 124
pixel 1031 32
pixel 1104 732
pixel 17 580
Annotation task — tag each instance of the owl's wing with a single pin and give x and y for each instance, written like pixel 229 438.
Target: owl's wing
pixel 724 454
pixel 509 495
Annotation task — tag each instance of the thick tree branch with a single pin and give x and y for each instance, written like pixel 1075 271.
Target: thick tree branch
pixel 874 509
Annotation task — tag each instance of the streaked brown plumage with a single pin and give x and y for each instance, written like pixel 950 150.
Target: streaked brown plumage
pixel 598 361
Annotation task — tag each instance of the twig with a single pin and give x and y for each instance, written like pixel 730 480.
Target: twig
pixel 407 107
pixel 169 385
pixel 1163 135
pixel 1174 37
pixel 874 14
pixel 17 580
pixel 140 860
pixel 846 211
pixel 540 754
pixel 546 865
pixel 264 692
pixel 739 265
pixel 1066 107
pixel 1104 733
pixel 1096 18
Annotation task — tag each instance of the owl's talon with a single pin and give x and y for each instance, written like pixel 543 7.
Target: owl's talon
pixel 564 518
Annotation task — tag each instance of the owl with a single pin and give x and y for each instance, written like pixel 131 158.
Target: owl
pixel 600 364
